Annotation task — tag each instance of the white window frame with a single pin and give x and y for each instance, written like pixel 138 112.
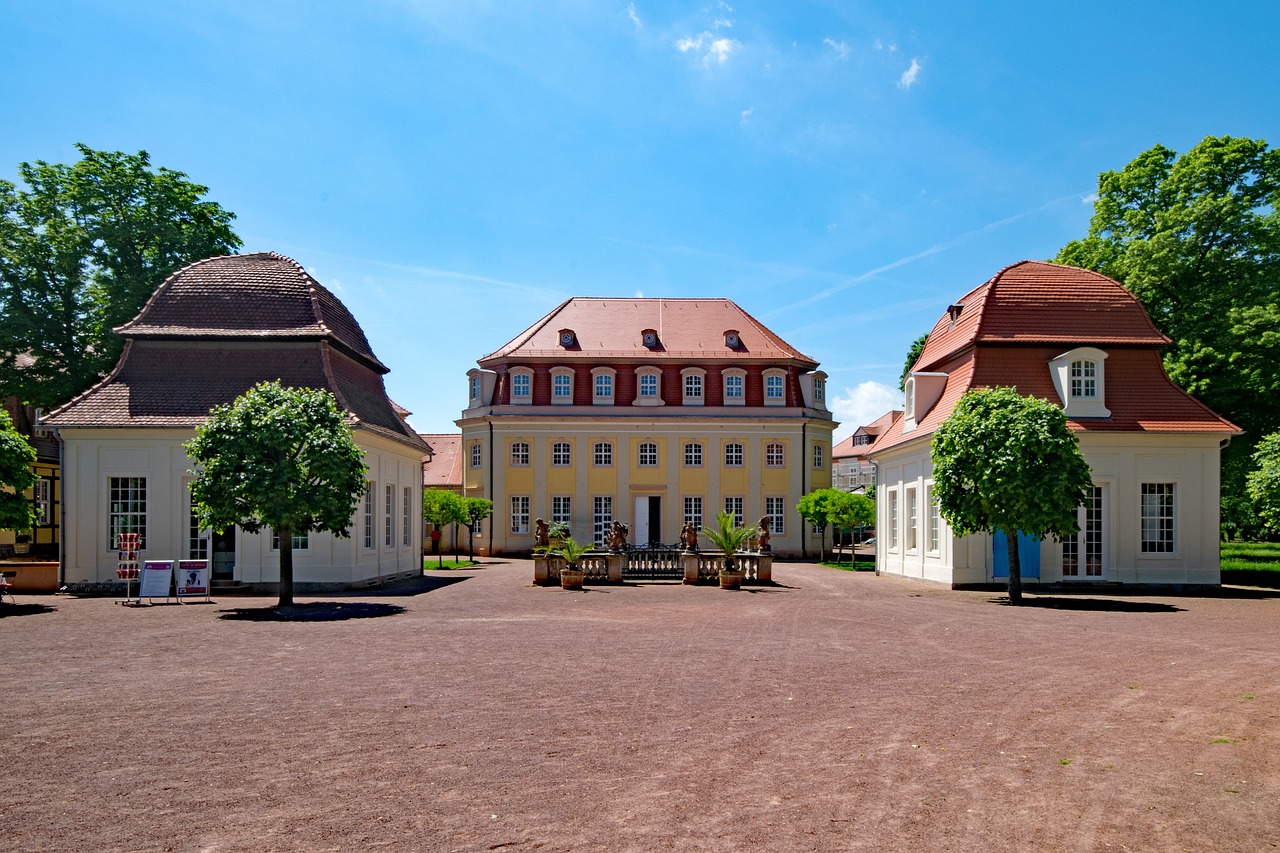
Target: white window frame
pixel 521 376
pixel 561 454
pixel 775 455
pixel 301 541
pixel 370 535
pixel 407 520
pixel 734 454
pixel 933 529
pixel 819 455
pixel 126 509
pixel 912 519
pixel 561 509
pixel 477 455
pixel 519 520
pixel 775 378
pixel 562 386
pixel 1158 518
pixel 389 516
pixel 197 547
pixel 734 379
pixel 601 518
pixel 604 385
pixel 1063 371
pixel 602 454
pixel 693 384
pixel 42 497
pixel 733 504
pixel 692 511
pixel 775 507
pixel 693 454
pixel 654 399
pixel 520 454
pixel 893 511
pixel 1084 379
pixel 648 454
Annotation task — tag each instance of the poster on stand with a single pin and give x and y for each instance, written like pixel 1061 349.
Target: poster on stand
pixel 193 578
pixel 157 578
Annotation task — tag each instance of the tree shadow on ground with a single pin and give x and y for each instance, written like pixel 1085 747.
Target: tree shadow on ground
pixel 1098 605
pixel 409 586
pixel 24 609
pixel 316 611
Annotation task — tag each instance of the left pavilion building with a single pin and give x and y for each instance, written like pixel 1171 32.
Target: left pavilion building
pixel 210 332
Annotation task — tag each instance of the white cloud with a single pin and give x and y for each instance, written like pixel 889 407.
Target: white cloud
pixel 892 48
pixel 635 19
pixel 708 47
pixel 862 405
pixel 746 115
pixel 1089 199
pixel 639 294
pixel 841 48
pixel 909 76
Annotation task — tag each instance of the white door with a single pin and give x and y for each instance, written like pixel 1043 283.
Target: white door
pixel 1083 555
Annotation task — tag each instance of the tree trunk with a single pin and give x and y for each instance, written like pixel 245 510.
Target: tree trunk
pixel 471 542
pixel 1015 568
pixel 286 567
pixel 822 544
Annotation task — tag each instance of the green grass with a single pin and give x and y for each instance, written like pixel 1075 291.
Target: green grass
pixel 432 563
pixel 1251 563
pixel 860 566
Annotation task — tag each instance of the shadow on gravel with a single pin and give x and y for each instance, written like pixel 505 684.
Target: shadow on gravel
pixel 1098 605
pixel 318 611
pixel 411 586
pixel 24 609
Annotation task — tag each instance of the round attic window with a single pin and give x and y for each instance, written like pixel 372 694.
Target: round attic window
pixel 650 339
pixel 731 340
pixel 566 339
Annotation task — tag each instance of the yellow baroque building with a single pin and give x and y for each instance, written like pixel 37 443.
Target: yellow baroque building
pixel 652 412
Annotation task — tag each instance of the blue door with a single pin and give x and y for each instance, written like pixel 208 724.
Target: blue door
pixel 1028 555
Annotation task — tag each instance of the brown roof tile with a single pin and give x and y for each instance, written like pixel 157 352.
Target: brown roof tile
pixel 444 470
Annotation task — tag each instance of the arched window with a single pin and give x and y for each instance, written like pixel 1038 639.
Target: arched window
pixel 561 453
pixel 733 455
pixel 648 455
pixel 519 453
pixel 775 455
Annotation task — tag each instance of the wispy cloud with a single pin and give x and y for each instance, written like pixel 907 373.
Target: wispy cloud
pixel 635 18
pixel 862 404
pixel 746 115
pixel 710 44
pixel 909 76
pixel 841 48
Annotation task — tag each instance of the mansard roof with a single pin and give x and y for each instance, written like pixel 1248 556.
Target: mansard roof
pixel 259 296
pixel 607 328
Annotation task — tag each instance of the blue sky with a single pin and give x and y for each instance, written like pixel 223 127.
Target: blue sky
pixel 453 170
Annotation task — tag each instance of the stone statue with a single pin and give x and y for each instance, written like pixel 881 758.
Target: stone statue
pixel 540 534
pixel 764 545
pixel 689 536
pixel 618 536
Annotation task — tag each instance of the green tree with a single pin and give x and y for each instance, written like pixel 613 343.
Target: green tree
pixel 1196 238
pixel 850 510
pixel 1007 463
pixel 913 355
pixel 441 507
pixel 82 248
pixel 278 458
pixel 476 510
pixel 16 458
pixel 815 508
pixel 1264 481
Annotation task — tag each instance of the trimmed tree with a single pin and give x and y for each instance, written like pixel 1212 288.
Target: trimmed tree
pixel 16 458
pixel 1004 463
pixel 278 458
pixel 848 509
pixel 1264 481
pixel 815 508
pixel 476 510
pixel 441 507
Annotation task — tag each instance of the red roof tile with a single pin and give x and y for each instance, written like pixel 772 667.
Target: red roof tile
pixel 444 470
pixel 609 328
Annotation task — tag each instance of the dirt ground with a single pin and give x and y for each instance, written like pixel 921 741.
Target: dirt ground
pixel 833 711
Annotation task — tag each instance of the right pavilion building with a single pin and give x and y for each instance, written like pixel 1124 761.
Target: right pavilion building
pixel 1080 340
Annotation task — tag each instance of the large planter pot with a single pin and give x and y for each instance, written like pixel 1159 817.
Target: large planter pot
pixel 731 578
pixel 21 548
pixel 571 578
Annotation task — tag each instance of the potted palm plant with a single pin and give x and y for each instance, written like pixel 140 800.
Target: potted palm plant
pixel 571 576
pixel 727 537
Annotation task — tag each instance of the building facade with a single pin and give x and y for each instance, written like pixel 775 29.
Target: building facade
pixel 209 333
pixel 652 412
pixel 851 468
pixel 1080 340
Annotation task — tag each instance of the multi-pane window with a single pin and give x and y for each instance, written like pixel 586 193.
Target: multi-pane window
pixel 693 454
pixel 1157 518
pixel 773 387
pixel 475 387
pixel 128 510
pixel 561 509
pixel 733 455
pixel 562 386
pixel 1084 379
pixel 693 511
pixel 604 385
pixel 893 519
pixel 774 455
pixel 1089 563
pixel 819 390
pixel 519 513
pixel 368 514
pixel 648 384
pixel 407 508
pixel 521 385
pixel 603 453
pixel 733 506
pixel 44 501
pixel 197 542
pixel 475 455
pixel 561 453
pixel 301 541
pixel 733 387
pixel 912 519
pixel 775 509
pixel 519 453
pixel 389 518
pixel 648 455
pixel 818 456
pixel 601 518
pixel 693 385
pixel 935 521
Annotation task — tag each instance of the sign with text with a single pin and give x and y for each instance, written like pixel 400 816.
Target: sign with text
pixel 157 576
pixel 193 578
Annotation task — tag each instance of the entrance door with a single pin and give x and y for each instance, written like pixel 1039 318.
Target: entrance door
pixel 1082 554
pixel 647 520
pixel 223 562
pixel 1028 556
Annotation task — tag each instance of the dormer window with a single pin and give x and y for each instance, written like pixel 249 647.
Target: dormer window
pixel 1079 377
pixel 954 312
pixel 521 386
pixel 731 339
pixel 735 386
pixel 775 387
pixel 648 387
pixel 567 338
pixel 561 386
pixel 602 385
pixel 693 379
pixel 649 337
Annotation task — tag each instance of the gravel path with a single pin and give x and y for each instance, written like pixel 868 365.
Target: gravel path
pixel 834 711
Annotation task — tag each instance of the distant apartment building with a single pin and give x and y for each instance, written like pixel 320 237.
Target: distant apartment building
pixel 851 468
pixel 653 412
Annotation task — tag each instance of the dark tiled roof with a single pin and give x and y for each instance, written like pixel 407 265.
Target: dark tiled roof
pixel 263 295
pixel 610 328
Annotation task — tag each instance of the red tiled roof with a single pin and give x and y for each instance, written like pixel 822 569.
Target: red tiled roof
pixel 444 470
pixel 610 328
pixel 263 295
pixel 1040 302
pixel 847 448
pixel 1030 313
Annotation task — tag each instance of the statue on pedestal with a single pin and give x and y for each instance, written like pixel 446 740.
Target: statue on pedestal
pixel 764 546
pixel 540 534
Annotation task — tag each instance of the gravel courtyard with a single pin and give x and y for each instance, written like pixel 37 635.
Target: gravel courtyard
pixel 832 711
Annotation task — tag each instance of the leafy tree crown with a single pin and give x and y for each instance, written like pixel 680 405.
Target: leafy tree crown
pixel 16 477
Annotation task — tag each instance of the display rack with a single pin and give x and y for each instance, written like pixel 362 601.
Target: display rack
pixel 127 568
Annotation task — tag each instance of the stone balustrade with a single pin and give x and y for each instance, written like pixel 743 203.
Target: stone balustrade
pixel 599 567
